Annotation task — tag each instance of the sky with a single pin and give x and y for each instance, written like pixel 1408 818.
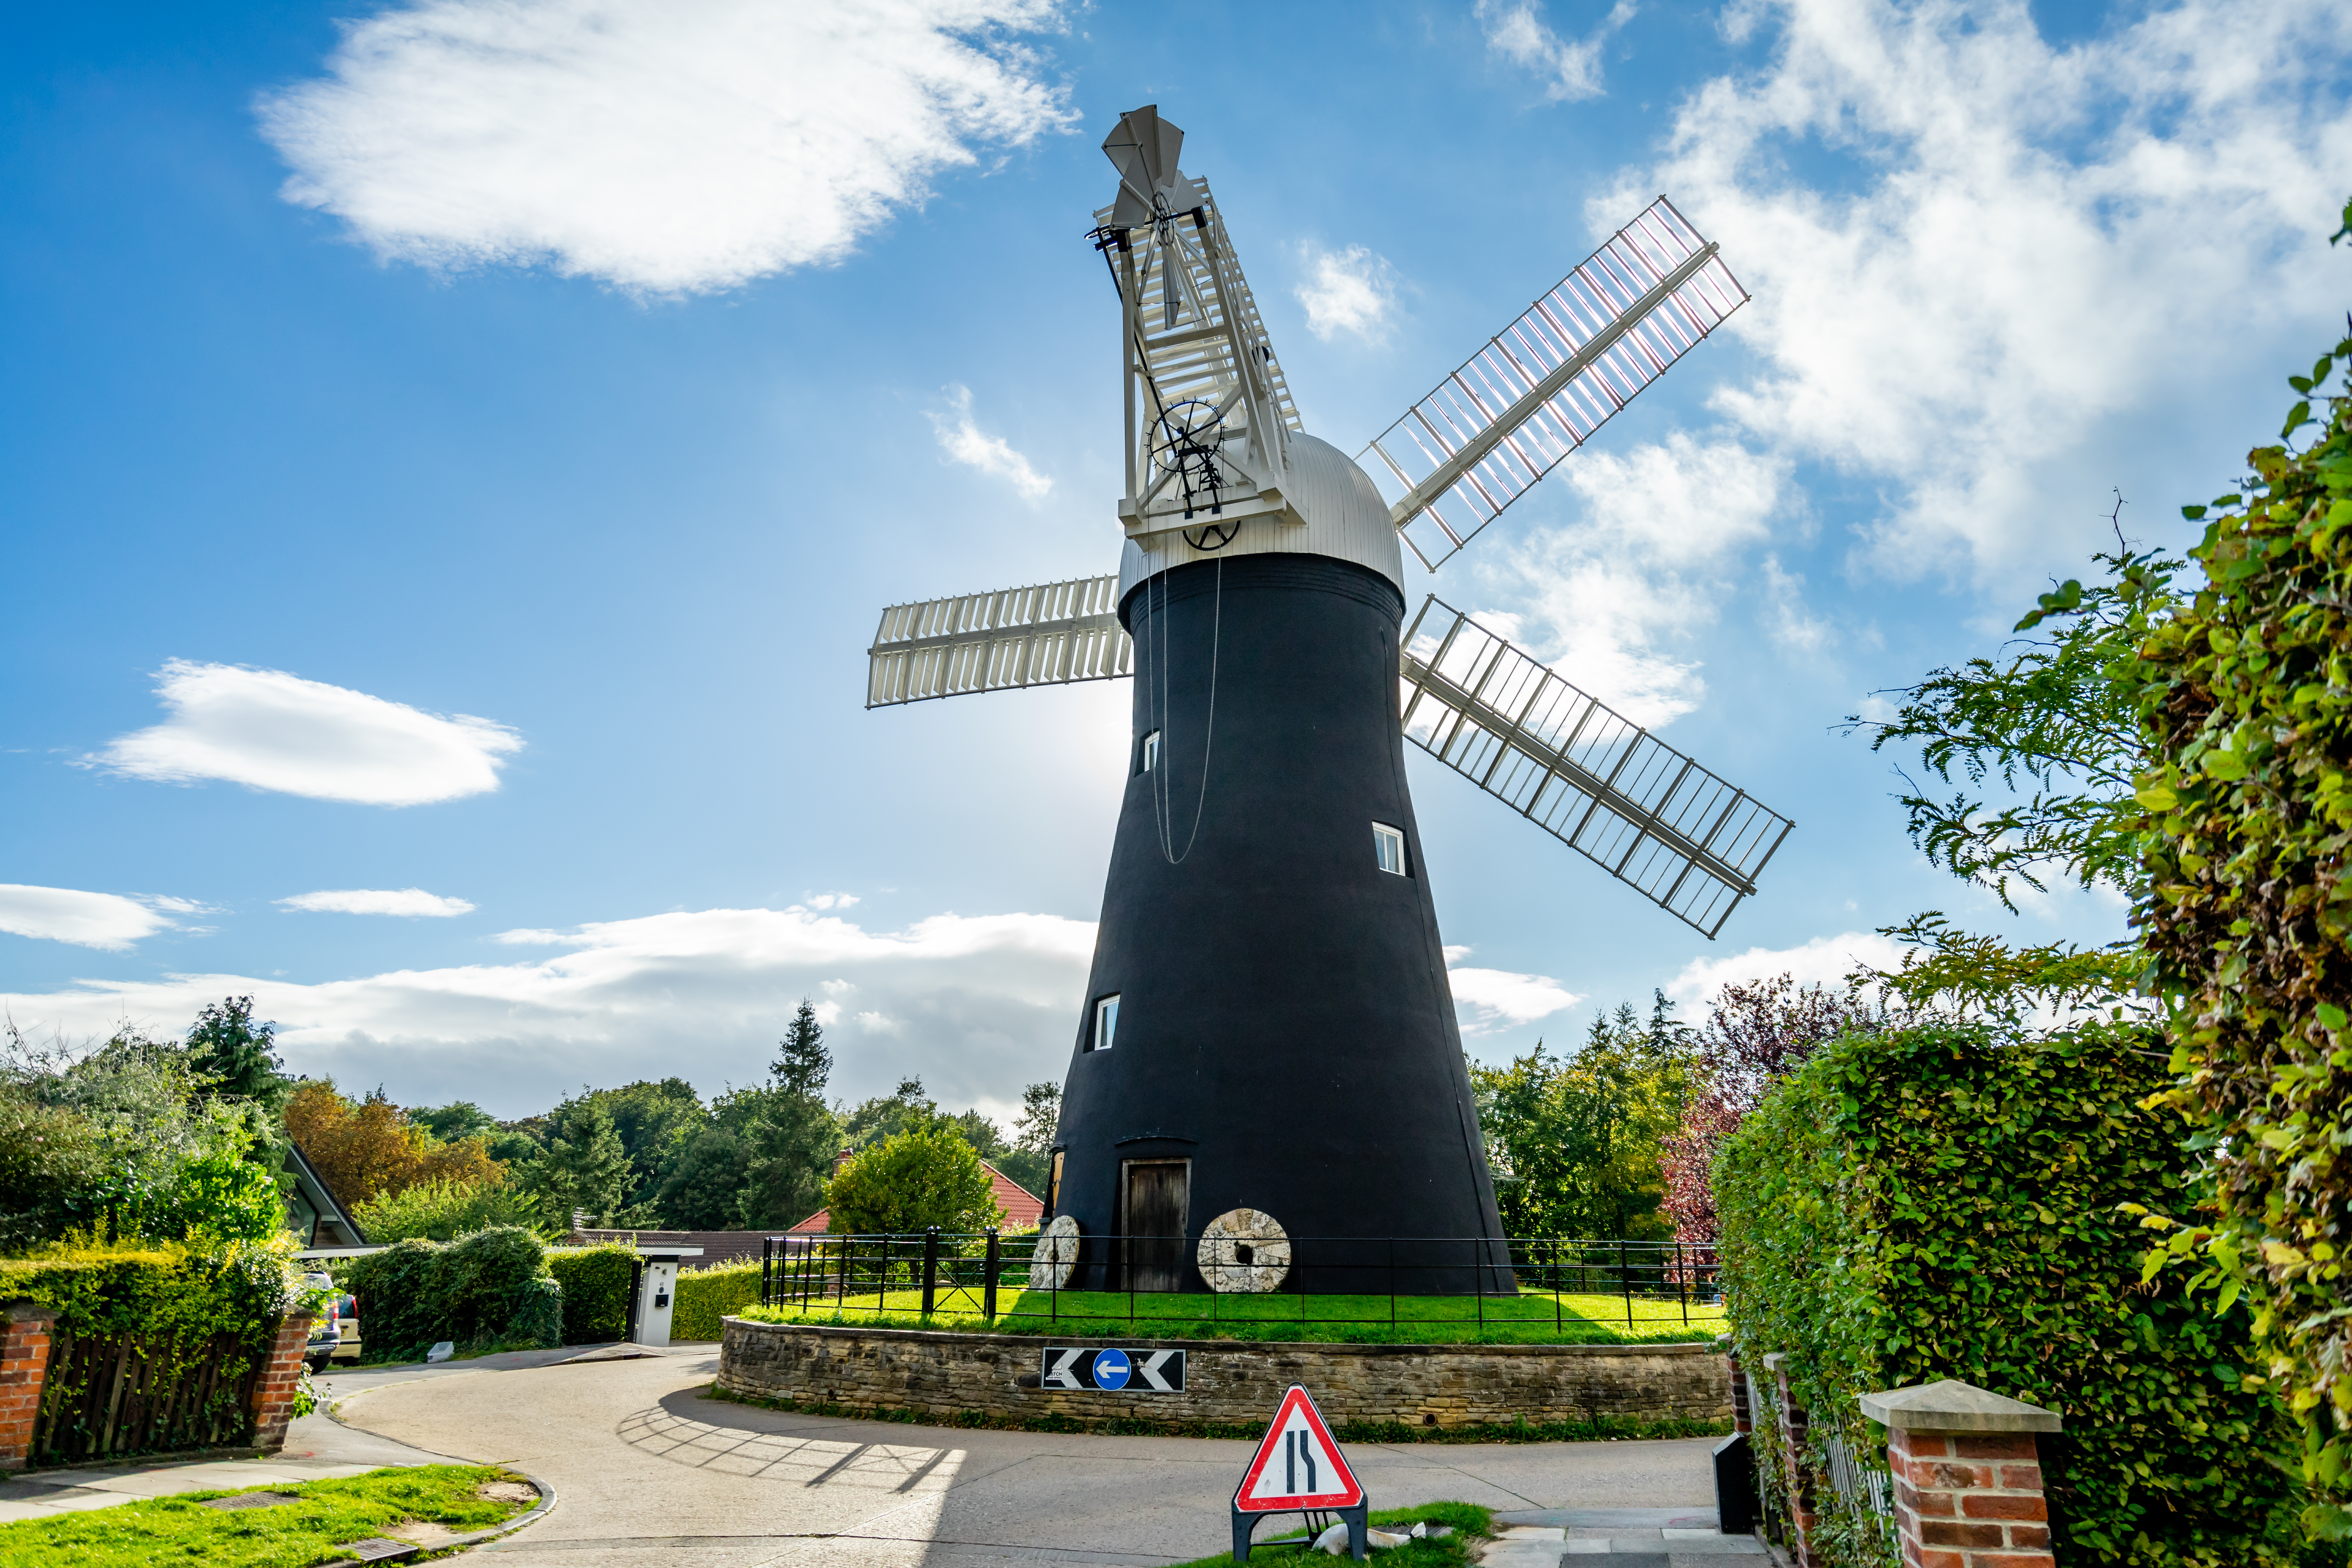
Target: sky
pixel 456 454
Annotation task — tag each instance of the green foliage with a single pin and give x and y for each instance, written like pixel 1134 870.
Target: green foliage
pixel 2247 912
pixel 238 1055
pixel 704 1186
pixel 885 1116
pixel 490 1290
pixel 926 1176
pixel 802 1064
pixel 2053 723
pixel 788 1151
pixel 706 1296
pixel 595 1281
pixel 1947 1201
pixel 1578 1143
pixel 53 1171
pixel 585 1170
pixel 456 1122
pixel 1962 972
pixel 444 1211
pixel 181 1528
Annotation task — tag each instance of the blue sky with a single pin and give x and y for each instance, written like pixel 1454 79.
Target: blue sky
pixel 456 454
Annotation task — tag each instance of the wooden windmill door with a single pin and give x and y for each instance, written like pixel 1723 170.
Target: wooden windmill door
pixel 1154 1202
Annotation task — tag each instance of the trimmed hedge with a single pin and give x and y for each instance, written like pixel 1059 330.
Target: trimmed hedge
pixel 706 1296
pixel 489 1290
pixel 595 1282
pixel 1944 1201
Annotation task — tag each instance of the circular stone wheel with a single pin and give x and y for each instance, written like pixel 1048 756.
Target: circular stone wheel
pixel 1056 1255
pixel 1244 1252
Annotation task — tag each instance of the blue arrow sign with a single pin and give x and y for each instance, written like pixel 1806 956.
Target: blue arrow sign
pixel 1112 1369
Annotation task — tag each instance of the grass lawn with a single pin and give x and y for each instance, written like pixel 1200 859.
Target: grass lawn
pixel 289 1535
pixel 1470 1522
pixel 1531 1317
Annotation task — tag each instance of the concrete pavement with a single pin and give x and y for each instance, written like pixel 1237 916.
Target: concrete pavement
pixel 648 1470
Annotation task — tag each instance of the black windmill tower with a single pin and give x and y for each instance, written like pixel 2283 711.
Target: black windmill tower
pixel 1268 1078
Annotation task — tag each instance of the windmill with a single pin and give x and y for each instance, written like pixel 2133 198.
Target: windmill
pixel 1268 1046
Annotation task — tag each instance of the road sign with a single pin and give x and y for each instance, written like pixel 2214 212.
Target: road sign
pixel 1298 1465
pixel 1299 1468
pixel 1112 1370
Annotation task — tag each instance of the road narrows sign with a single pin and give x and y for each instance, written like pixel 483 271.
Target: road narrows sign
pixel 1298 1466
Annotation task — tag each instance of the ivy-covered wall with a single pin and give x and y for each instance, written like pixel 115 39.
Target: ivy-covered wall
pixel 1942 1200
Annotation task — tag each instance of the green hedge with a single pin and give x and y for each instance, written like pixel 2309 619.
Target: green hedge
pixel 487 1290
pixel 706 1296
pixel 595 1282
pixel 1944 1202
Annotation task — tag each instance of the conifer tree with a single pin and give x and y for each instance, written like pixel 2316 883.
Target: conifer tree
pixel 803 1064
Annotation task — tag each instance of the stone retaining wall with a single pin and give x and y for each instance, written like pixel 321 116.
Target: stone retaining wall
pixel 1237 1381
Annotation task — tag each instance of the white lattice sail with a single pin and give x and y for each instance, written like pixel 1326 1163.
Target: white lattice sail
pixel 1598 783
pixel 1049 635
pixel 1543 384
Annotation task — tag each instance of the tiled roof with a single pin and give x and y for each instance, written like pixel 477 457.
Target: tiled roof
pixel 1021 1207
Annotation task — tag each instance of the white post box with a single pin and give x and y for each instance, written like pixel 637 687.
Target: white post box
pixel 657 1293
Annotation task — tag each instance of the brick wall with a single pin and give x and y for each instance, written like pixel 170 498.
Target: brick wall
pixel 942 1374
pixel 273 1390
pixel 24 1361
pixel 1969 1499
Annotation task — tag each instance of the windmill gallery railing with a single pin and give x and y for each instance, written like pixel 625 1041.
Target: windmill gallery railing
pixel 1402 1281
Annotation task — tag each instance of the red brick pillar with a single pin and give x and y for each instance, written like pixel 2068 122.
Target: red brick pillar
pixel 1803 1515
pixel 24 1364
pixel 1742 1419
pixel 1968 1476
pixel 273 1390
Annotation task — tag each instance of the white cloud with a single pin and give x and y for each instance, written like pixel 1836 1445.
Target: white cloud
pixel 1825 960
pixel 1490 1000
pixel 378 901
pixel 1786 619
pixel 1976 254
pixel 1515 30
pixel 1352 292
pixel 658 147
pixel 277 731
pixel 971 1004
pixel 1608 600
pixel 833 900
pixel 961 441
pixel 106 920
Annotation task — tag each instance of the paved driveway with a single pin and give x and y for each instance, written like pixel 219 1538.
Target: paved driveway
pixel 648 1472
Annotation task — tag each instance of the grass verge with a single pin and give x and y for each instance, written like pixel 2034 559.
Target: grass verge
pixel 1527 1318
pixel 1469 1522
pixel 289 1535
pixel 1602 1429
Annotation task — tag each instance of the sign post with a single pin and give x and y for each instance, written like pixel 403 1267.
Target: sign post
pixel 1298 1469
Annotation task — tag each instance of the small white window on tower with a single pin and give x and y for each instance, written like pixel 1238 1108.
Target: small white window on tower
pixel 1388 848
pixel 1105 1021
pixel 1151 751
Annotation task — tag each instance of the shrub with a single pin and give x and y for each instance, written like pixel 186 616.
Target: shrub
pixel 924 1177
pixel 595 1282
pixel 706 1296
pixel 491 1290
pixel 444 1211
pixel 1943 1201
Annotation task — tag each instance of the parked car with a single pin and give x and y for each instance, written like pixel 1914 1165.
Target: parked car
pixel 327 1328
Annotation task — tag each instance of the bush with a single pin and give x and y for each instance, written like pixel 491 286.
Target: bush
pixel 444 1211
pixel 595 1282
pixel 1941 1201
pixel 926 1176
pixel 706 1296
pixel 490 1291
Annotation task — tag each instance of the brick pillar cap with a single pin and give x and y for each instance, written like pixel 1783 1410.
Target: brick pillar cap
pixel 1952 1406
pixel 1776 1361
pixel 24 1309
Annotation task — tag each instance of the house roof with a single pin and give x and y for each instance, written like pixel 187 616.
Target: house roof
pixel 1021 1207
pixel 717 1245
pixel 320 1197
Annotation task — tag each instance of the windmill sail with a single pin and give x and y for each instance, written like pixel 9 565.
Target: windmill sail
pixel 1543 384
pixel 1599 784
pixel 1045 636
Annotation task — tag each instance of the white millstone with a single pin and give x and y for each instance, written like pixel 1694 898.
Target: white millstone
pixel 1220 1255
pixel 1057 1254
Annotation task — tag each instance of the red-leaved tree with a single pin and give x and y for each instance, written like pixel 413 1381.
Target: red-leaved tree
pixel 1756 1034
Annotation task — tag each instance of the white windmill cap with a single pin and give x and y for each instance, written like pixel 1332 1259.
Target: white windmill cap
pixel 1143 147
pixel 1330 508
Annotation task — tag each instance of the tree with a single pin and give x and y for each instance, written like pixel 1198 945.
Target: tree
pixel 654 1120
pixel 803 1064
pixel 585 1169
pixel 370 1149
pixel 1581 1139
pixel 457 1120
pixel 704 1187
pixel 910 1182
pixel 1030 1160
pixel 789 1151
pixel 238 1055
pixel 885 1116
pixel 986 1138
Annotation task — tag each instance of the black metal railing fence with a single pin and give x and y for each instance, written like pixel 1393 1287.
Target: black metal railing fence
pixel 1335 1281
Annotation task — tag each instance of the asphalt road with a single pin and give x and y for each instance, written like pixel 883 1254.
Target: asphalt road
pixel 647 1472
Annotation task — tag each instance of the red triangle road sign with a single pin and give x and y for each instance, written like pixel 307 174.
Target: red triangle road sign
pixel 1298 1466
